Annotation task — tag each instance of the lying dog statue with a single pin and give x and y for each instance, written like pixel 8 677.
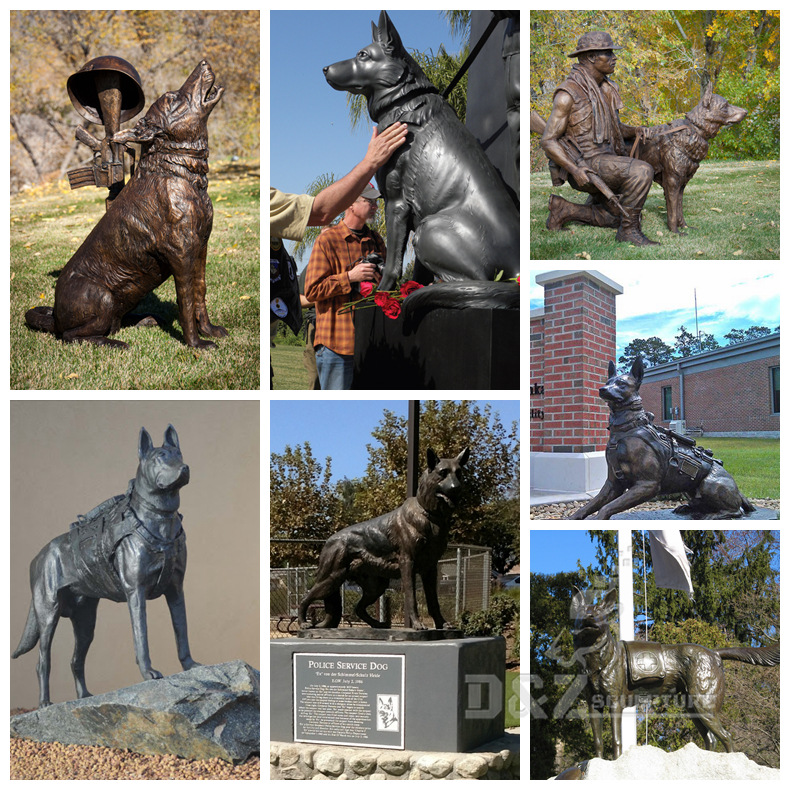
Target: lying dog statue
pixel 644 460
pixel 618 671
pixel 406 542
pixel 129 548
pixel 157 227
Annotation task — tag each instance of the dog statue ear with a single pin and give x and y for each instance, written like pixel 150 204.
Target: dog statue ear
pixel 386 35
pixel 707 93
pixel 171 437
pixel 638 370
pixel 577 602
pixel 433 459
pixel 612 370
pixel 145 445
pixel 463 456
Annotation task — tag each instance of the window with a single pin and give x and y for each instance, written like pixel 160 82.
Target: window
pixel 775 390
pixel 666 403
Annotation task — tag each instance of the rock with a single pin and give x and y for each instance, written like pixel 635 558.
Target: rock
pixel 289 755
pixel 688 763
pixel 200 714
pixel 435 764
pixel 394 763
pixel 471 767
pixel 329 763
pixel 362 763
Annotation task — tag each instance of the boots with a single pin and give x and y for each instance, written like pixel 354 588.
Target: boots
pixel 562 211
pixel 630 229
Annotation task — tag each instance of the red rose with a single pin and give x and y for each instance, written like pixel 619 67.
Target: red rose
pixel 391 309
pixel 410 286
pixel 366 288
pixel 381 298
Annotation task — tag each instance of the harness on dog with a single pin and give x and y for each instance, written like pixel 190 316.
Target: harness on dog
pixel 645 661
pixel 95 538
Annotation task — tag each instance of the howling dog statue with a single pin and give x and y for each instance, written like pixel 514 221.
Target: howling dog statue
pixel 645 460
pixel 619 671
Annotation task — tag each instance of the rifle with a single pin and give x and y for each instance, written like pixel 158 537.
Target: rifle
pixel 538 125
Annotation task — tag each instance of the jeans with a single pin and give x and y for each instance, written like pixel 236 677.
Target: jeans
pixel 335 371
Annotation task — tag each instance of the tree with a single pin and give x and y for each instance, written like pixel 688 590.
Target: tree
pixel 685 343
pixel 488 513
pixel 706 342
pixel 304 506
pixel 654 351
pixel 752 333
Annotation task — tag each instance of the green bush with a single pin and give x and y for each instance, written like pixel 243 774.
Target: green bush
pixel 502 611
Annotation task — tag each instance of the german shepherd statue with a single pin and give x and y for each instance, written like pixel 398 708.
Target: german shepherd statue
pixel 129 548
pixel 676 149
pixel 157 227
pixel 619 671
pixel 439 183
pixel 408 541
pixel 644 460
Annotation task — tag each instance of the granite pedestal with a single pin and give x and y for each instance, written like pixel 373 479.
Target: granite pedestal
pixel 666 514
pixel 453 690
pixel 442 349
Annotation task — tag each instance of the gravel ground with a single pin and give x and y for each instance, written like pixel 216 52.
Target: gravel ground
pixel 564 509
pixel 33 760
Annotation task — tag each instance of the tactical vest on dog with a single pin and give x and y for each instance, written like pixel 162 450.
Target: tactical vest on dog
pixel 94 540
pixel 645 661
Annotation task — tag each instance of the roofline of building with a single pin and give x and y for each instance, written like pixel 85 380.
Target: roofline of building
pixel 593 274
pixel 718 357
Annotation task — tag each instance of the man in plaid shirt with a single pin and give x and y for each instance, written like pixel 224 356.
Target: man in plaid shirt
pixel 333 269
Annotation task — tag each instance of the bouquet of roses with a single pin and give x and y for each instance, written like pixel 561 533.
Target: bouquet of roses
pixel 388 301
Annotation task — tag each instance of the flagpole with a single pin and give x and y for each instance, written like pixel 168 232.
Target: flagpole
pixel 625 577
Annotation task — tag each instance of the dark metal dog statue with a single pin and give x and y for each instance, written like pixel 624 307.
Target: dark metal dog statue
pixel 676 149
pixel 645 460
pixel 129 548
pixel 439 183
pixel 620 671
pixel 408 541
pixel 157 227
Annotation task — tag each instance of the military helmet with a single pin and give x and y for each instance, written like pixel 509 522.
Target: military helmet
pixel 85 97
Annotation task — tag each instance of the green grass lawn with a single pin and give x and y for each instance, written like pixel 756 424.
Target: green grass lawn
pixel 47 226
pixel 512 699
pixel 732 205
pixel 754 463
pixel 289 372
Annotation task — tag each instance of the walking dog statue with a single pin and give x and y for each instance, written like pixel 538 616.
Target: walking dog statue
pixel 645 460
pixel 129 548
pixel 619 671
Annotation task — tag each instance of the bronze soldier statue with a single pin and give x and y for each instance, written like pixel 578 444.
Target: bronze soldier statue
pixel 584 137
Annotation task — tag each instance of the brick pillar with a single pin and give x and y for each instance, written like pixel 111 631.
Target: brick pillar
pixel 536 411
pixel 578 342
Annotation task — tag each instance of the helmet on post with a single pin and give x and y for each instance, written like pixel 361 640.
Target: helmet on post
pixel 84 95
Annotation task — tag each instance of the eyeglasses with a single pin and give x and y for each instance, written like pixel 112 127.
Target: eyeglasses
pixel 370 202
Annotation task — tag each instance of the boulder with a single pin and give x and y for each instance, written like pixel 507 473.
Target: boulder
pixel 200 714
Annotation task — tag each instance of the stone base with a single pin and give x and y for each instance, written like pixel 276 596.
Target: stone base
pixel 499 759
pixel 666 514
pixel 578 474
pixel 445 349
pixel 381 634
pixel 453 690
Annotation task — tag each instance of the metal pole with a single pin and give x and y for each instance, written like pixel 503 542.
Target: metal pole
pixel 626 594
pixel 413 448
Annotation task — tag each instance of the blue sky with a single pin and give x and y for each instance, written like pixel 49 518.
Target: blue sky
pixel 341 429
pixel 659 298
pixel 556 550
pixel 310 126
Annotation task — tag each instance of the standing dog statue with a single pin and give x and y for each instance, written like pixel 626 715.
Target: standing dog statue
pixel 645 460
pixel 439 183
pixel 157 227
pixel 619 671
pixel 406 542
pixel 676 149
pixel 129 548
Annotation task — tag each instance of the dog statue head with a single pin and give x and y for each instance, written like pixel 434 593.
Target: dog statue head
pixel 161 469
pixel 442 482
pixel 590 619
pixel 623 389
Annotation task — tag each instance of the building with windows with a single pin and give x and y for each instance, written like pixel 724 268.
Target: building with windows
pixel 730 391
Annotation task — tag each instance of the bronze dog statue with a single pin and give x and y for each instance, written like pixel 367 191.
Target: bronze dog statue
pixel 439 183
pixel 408 541
pixel 619 671
pixel 157 227
pixel 644 460
pixel 129 548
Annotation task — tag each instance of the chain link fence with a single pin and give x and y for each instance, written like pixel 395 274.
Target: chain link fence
pixel 464 585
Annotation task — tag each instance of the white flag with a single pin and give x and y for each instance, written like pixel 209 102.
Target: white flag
pixel 670 566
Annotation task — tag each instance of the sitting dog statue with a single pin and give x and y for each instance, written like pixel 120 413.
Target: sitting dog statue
pixel 645 460
pixel 157 227
pixel 129 548
pixel 408 541
pixel 618 671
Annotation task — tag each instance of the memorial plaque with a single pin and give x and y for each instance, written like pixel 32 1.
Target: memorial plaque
pixel 349 699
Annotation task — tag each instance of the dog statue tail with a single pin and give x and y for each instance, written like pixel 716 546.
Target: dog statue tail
pixel 747 506
pixel 463 294
pixel 761 656
pixel 41 318
pixel 29 636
